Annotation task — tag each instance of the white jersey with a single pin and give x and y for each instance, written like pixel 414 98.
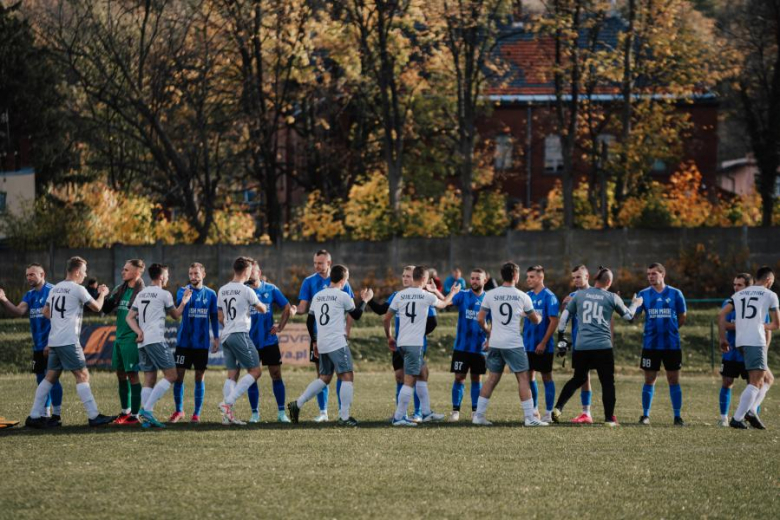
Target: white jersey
pixel 235 300
pixel 751 305
pixel 329 307
pixel 507 305
pixel 66 302
pixel 411 308
pixel 152 305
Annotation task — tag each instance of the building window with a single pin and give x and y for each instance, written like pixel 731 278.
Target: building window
pixel 3 198
pixel 553 154
pixel 502 159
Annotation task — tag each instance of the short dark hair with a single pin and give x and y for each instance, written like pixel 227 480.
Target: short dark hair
pixel 242 263
pixel 537 268
pixel 322 252
pixel 604 274
pixel 198 265
pixel 763 273
pixel 509 270
pixel 137 263
pixel 91 281
pixel 36 264
pixel 578 267
pixel 478 270
pixel 658 267
pixel 419 272
pixel 338 272
pixel 75 263
pixel 745 276
pixel 156 270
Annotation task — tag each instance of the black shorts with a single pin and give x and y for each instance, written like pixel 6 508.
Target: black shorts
pixel 39 362
pixel 270 355
pixel 398 361
pixel 733 369
pixel 651 360
pixel 462 362
pixel 188 358
pixel 540 362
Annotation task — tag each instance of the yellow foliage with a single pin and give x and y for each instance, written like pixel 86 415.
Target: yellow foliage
pixel 320 220
pixel 490 214
pixel 367 212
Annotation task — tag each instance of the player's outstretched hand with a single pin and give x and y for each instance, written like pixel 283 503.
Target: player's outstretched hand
pixel 293 310
pixel 636 301
pixel 486 345
pixel 140 338
pixel 2 296
pixel 430 286
pixel 187 295
pixel 724 346
pixel 366 294
pixel 455 289
pixel 102 290
pixel 215 345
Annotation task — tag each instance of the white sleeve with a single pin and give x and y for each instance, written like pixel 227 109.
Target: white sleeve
pixel 431 299
pixel 168 301
pixel 528 305
pixel 486 303
pixel 394 304
pixel 347 301
pixel 84 296
pixel 773 303
pixel 252 297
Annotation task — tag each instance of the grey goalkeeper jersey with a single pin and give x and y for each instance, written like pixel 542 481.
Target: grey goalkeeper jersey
pixel 593 308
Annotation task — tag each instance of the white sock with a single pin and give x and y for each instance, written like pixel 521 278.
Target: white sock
pixel 56 410
pixel 586 409
pixel 127 411
pixel 528 408
pixel 39 403
pixel 145 393
pixel 347 391
pixel 47 412
pixel 404 397
pixel 242 386
pixel 425 397
pixel 761 394
pixel 227 389
pixel 724 417
pixel 160 388
pixel 482 406
pixel 85 394
pixel 314 388
pixel 746 400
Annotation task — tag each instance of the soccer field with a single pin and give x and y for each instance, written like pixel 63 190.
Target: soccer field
pixel 446 470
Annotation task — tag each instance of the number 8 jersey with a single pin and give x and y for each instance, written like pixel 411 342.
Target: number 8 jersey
pixel 235 301
pixel 329 307
pixel 66 303
pixel 751 306
pixel 506 305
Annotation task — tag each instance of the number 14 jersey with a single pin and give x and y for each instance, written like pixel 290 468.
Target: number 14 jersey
pixel 66 303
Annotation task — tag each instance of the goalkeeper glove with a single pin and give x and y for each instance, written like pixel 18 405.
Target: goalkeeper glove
pixel 563 345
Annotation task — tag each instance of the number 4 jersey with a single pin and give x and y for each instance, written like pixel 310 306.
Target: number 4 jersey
pixel 751 306
pixel 411 307
pixel 329 307
pixel 66 303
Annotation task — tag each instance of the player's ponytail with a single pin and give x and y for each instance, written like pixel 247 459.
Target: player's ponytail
pixel 604 275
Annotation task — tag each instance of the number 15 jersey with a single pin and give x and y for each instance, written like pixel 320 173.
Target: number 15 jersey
pixel 411 307
pixel 329 307
pixel 506 306
pixel 751 306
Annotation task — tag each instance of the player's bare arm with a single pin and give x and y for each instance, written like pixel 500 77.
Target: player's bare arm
pixel 97 304
pixel 132 322
pixel 176 312
pixel 14 310
pixel 441 304
pixel 724 344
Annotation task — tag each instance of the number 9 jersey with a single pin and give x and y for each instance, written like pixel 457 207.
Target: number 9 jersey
pixel 507 305
pixel 66 303
pixel 751 306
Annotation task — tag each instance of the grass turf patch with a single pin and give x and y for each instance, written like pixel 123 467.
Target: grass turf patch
pixel 446 470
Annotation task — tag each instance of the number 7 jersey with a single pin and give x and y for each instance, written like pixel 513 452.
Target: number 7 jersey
pixel 507 305
pixel 751 306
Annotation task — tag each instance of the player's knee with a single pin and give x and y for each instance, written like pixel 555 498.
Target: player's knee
pixel 255 372
pixel 275 372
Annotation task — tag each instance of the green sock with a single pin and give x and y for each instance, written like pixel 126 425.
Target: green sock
pixel 135 398
pixel 124 394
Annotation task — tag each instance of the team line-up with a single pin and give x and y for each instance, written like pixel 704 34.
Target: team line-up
pixel 498 328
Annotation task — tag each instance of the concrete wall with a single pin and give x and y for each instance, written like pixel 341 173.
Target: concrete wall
pixel 287 263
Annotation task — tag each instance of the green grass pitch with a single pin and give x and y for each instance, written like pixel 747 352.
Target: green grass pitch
pixel 441 471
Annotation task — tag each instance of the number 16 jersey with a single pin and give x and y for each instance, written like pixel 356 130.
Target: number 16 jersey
pixel 411 307
pixel 235 301
pixel 329 307
pixel 506 306
pixel 750 307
